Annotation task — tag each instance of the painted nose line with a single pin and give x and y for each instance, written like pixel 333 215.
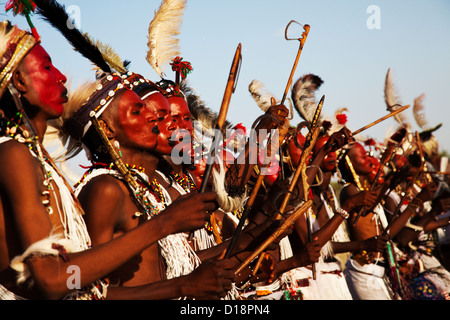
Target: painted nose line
pixel 156 130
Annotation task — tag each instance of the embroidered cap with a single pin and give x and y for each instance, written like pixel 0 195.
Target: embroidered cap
pixel 14 45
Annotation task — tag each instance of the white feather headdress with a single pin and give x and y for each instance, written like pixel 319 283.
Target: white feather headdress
pixel 418 112
pixel 163 44
pixel 304 95
pixel 261 96
pixel 392 99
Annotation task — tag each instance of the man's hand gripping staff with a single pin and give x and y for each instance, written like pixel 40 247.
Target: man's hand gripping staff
pixel 283 129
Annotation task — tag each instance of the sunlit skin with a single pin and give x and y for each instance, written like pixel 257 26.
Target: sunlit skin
pixel 181 117
pixel 159 105
pixel 362 162
pixel 134 118
pixel 45 82
pixel 295 153
pixel 329 161
pixel 375 168
pixel 180 113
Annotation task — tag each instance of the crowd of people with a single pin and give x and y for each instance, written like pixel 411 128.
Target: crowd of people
pixel 322 214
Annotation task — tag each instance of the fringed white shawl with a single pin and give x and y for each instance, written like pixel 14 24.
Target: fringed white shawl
pixel 74 237
pixel 175 249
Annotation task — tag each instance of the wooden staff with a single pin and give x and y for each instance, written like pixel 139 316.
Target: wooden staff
pixel 302 40
pixel 310 140
pixel 409 188
pixel 135 187
pixel 229 90
pixel 289 221
pixel 272 145
pixel 260 179
pixel 387 155
pixel 393 113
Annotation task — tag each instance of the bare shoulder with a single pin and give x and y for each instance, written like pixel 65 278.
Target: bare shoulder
pixel 103 187
pixel 347 191
pixel 12 152
pixel 104 202
pixel 18 166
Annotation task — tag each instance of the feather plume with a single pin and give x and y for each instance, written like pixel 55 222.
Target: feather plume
pixel 55 14
pixel 163 44
pixel 392 99
pixel 261 96
pixel 199 111
pixel 6 32
pixel 303 95
pixel 109 55
pixel 418 112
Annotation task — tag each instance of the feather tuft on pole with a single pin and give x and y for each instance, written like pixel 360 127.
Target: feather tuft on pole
pixel 303 95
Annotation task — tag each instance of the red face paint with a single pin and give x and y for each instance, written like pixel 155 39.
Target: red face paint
pixel 375 167
pixel 294 152
pixel 159 106
pixel 134 118
pixel 181 116
pixel 329 161
pixel 45 83
pixel 361 161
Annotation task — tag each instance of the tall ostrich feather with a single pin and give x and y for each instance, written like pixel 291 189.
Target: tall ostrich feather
pixel 163 44
pixel 303 95
pixel 55 14
pixel 392 99
pixel 261 96
pixel 418 112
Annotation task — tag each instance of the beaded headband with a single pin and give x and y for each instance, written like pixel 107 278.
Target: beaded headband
pixel 79 123
pixel 14 44
pixel 105 92
pixel 143 87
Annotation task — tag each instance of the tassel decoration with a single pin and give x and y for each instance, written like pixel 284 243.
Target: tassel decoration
pixel 181 67
pixel 25 8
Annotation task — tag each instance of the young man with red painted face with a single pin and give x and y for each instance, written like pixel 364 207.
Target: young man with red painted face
pixel 47 237
pixel 356 168
pixel 330 224
pixel 140 132
pixel 175 180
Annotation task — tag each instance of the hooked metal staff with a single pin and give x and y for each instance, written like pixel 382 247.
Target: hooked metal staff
pixel 302 40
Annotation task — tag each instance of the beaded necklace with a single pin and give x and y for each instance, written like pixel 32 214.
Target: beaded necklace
pixel 157 189
pixel 13 130
pixel 141 194
pixel 188 185
pixel 185 181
